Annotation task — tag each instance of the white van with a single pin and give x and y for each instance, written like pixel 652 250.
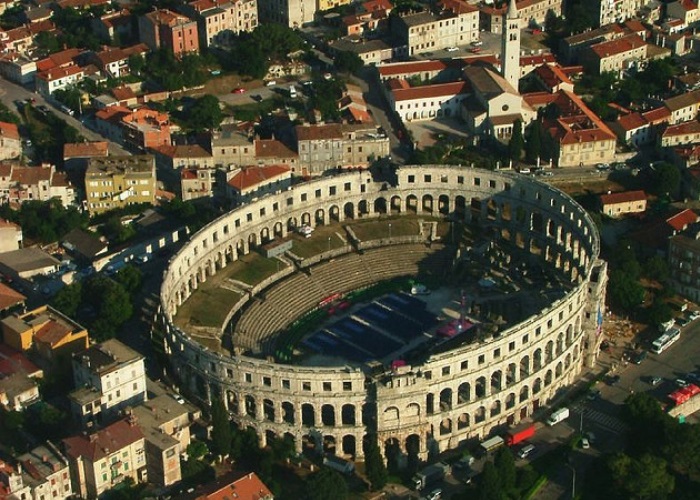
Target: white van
pixel 292 92
pixel 526 450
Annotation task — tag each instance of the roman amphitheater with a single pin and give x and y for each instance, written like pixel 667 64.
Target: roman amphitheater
pixel 514 317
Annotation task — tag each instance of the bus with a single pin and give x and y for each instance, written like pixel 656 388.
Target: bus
pixel 665 341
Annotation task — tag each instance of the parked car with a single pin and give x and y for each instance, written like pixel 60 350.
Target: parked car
pixel 238 90
pixel 585 443
pixel 682 321
pixel 654 381
pixel 476 43
pixel 639 357
pixel 475 50
pixel 451 49
pixel 694 315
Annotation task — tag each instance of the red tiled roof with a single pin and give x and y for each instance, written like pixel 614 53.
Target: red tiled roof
pixel 623 197
pixel 9 297
pixel 5 169
pixel 631 121
pixel 9 130
pixel 539 99
pixel 188 174
pixel 123 93
pixel 634 25
pixel 319 132
pixel 85 149
pixel 619 46
pixel 58 73
pixel 272 148
pixel 31 175
pixel 577 123
pixel 373 5
pixel 551 75
pixel 51 333
pixel 547 58
pixel 411 67
pixel 691 127
pixel 458 6
pixel 682 219
pixel 657 115
pixel 428 91
pixel 249 487
pixel 104 442
pixel 12 361
pixel 251 176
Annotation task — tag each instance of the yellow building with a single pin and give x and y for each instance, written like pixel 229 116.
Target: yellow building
pixel 52 333
pixel 117 181
pixel 329 4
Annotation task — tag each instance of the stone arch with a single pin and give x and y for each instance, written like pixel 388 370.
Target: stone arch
pixel 480 387
pixel 250 406
pixel 412 410
pixel 278 229
pixel 524 393
pixel 548 377
pixel 464 392
pixel 430 403
pixel 475 208
pixel 427 203
pixel 559 370
pixel 380 206
pixel 496 381
pixel 269 410
pixel 349 446
pixel 537 385
pixel 463 421
pixel 334 213
pixel 567 361
pixel 560 344
pixel 495 408
pixel 412 203
pixel 537 359
pixel 395 204
pixel 537 222
pixel 270 436
pixel 391 416
pixel 392 452
pixel 347 413
pixel 362 208
pixel 306 219
pixel 446 399
pixel 520 215
pixel 349 210
pixel 308 415
pixel 445 426
pixel 328 415
pixel 444 204
pixel 524 367
pixel 252 240
pixel 511 374
pixel 320 217
pixel 292 224
pixel 491 209
pixel 288 412
pixel 309 444
pixel 569 336
pixel 329 445
pixel 460 206
pixel 480 414
pixel 510 401
pixel 265 236
pixel 413 446
pixel 549 352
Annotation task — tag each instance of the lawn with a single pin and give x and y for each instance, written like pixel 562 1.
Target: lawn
pixel 208 307
pixel 316 244
pixel 253 268
pixel 377 229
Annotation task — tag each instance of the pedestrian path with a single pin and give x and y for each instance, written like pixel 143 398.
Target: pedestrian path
pixel 609 422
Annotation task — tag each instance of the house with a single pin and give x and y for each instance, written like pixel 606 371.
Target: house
pixel 683 107
pixel 116 25
pixel 218 22
pixel 572 46
pixel 117 181
pixel 13 361
pixel 165 424
pixel 109 377
pixel 27 262
pixel 274 152
pixel 231 146
pixel 45 329
pixel 113 62
pixel 45 472
pixel 290 13
pixel 83 245
pixel 246 183
pixel 171 31
pixel 616 11
pixel 627 202
pixel 686 11
pixel 457 23
pixel 614 55
pixel 17 67
pixel 551 78
pixel 197 182
pixel 10 236
pixel 176 157
pixel 19 184
pixel 370 51
pixel 10 144
pixel 680 134
pixel 633 129
pixel 247 487
pixel 101 460
pixel 426 102
pixel 18 391
pixel 77 154
pixel 10 300
pixel 49 81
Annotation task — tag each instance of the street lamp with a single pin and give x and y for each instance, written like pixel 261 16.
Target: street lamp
pixel 390 230
pixel 329 243
pixel 573 481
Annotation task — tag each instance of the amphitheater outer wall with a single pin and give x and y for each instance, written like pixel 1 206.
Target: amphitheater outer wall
pixel 449 398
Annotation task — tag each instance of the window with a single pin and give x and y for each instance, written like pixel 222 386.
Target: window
pixel 428 375
pixel 460 179
pixel 249 217
pixel 332 190
pixel 248 377
pixel 318 193
pixel 306 386
pixel 482 359
pixel 427 178
pixel 445 370
pixel 327 387
pixel 464 365
pixel 347 386
pixel 511 347
pixel 347 186
pixel 411 179
pixel 497 353
pixel 286 384
pixel 267 381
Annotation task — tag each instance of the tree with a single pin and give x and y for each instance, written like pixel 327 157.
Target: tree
pixel 136 63
pixel 348 62
pixel 624 291
pixel 489 486
pixel 111 303
pixel 533 146
pixel 505 466
pixel 374 464
pixel 221 432
pixel 642 478
pixel 666 180
pixel 205 114
pixel 516 143
pixel 196 450
pixel 68 299
pixel 659 312
pixel 326 484
pixel 656 268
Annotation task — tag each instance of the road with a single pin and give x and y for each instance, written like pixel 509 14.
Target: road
pixel 11 92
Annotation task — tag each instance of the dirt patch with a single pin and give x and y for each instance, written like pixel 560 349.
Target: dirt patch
pixel 224 84
pixel 588 186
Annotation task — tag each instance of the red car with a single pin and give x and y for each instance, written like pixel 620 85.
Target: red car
pixel 239 90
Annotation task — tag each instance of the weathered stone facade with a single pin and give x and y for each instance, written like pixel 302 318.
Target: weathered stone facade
pixel 452 396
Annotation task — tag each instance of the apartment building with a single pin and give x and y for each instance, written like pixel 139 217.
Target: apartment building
pixel 572 46
pixel 109 377
pixel 10 144
pixel 19 184
pixel 169 30
pixel 247 183
pixel 290 13
pixel 617 11
pixel 456 23
pixel 683 107
pixel 117 181
pixel 50 332
pixel 232 146
pixel 10 236
pixel 102 460
pixel 680 134
pixel 114 61
pixel 45 473
pixel 614 55
pixel 687 11
pixel 197 182
pixel 219 21
pixel 531 13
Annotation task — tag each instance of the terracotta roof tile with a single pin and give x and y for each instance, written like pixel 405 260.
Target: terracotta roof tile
pixel 658 115
pixel 619 46
pixel 682 219
pixel 104 442
pixel 622 197
pixel 51 333
pixel 271 148
pixel 632 121
pixel 692 127
pixel 319 132
pixel 249 487
pixel 85 149
pixel 9 297
pixel 428 91
pixel 9 130
pixel 251 176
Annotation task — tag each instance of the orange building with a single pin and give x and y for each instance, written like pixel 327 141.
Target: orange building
pixel 169 30
pixel 52 333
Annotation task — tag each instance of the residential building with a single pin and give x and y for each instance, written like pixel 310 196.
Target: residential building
pixel 329 4
pixel 13 361
pixel 581 136
pixel 145 128
pixel 10 300
pixel 248 183
pixel 18 391
pixel 248 487
pixel 686 11
pixel 165 424
pixel 614 55
pixel 116 25
pixel 19 184
pixel 551 78
pixel 47 330
pixel 176 157
pixel 290 13
pixel 84 246
pixel 274 152
pixel 168 30
pixel 114 61
pixel 426 102
pixel 626 202
pixel 219 21
pixel 101 460
pixel 45 471
pixel 10 236
pixel 572 46
pixel 10 144
pixel 49 81
pixel 11 485
pixel 77 154
pixel 109 377
pixel 680 134
pixel 26 263
pixel 232 147
pixel 617 11
pixel 532 13
pixel 633 129
pixel 117 181
pixel 197 182
pixel 457 23
pixel 684 264
pixel 370 51
pixel 683 107
pixel 17 67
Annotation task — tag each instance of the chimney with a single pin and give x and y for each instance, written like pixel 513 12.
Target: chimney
pixel 45 459
pixel 92 437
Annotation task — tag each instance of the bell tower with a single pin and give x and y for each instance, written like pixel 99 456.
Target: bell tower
pixel 510 46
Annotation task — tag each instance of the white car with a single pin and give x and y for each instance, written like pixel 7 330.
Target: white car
pixel 585 444
pixel 694 315
pixel 434 495
pixel 452 49
pixel 179 399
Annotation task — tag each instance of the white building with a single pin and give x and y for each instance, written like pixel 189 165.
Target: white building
pixel 108 377
pixel 427 101
pixel 48 82
pixel 45 472
pixel 291 13
pixel 219 21
pixel 510 46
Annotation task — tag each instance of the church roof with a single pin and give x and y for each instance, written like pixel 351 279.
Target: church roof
pixel 512 10
pixel 487 82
